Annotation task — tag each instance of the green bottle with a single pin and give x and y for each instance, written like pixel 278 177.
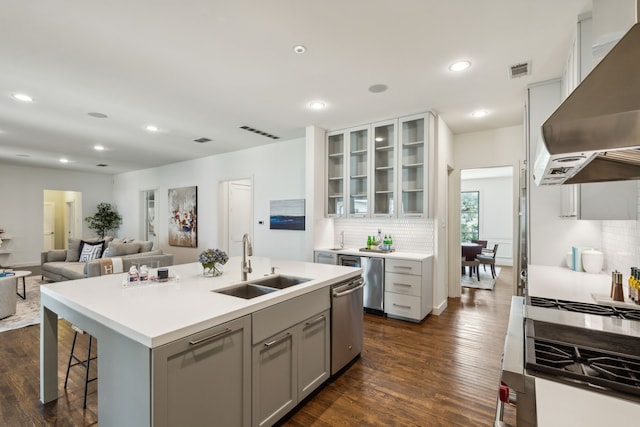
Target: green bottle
pixel 368 242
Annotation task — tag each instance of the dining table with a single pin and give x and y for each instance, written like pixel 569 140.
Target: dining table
pixel 470 250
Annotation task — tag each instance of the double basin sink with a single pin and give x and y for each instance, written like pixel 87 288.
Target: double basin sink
pixel 259 287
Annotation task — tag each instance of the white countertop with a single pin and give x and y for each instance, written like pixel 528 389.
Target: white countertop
pixel 560 404
pixel 397 255
pixel 158 313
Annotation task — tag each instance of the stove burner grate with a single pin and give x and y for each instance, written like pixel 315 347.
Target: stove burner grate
pixel 586 308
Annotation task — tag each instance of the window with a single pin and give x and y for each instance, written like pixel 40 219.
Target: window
pixel 469 215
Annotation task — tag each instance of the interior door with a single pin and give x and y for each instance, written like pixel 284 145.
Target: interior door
pixel 49 236
pixel 240 213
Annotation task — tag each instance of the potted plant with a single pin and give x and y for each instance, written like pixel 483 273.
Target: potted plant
pixel 104 220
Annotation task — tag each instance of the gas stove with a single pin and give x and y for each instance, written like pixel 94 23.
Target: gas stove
pixel 585 308
pixel 600 361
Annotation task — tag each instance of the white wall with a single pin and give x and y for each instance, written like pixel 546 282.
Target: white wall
pixel 491 148
pixel 278 172
pixel 21 207
pixel 496 213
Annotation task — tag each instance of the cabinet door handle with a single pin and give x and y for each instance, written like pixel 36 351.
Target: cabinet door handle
pixel 401 284
pixel 314 321
pixel 402 306
pixel 278 340
pixel 402 267
pixel 218 335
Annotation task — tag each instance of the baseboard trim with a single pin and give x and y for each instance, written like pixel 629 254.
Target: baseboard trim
pixel 437 311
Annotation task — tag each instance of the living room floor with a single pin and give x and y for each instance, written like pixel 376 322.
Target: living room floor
pixel 441 372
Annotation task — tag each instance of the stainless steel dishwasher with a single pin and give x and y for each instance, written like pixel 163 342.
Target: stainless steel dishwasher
pixel 373 275
pixel 346 322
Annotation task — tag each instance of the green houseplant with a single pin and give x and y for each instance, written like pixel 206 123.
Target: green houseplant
pixel 104 220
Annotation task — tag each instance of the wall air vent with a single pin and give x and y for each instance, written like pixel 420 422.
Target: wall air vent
pixel 259 132
pixel 202 140
pixel 520 70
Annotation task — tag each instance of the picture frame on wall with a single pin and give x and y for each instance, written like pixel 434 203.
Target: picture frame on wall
pixel 183 217
pixel 287 214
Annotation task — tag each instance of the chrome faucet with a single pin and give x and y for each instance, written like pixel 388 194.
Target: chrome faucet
pixel 247 249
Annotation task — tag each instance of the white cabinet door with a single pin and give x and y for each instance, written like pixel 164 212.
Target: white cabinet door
pixel 335 185
pixel 414 143
pixel 384 169
pixel 358 157
pixel 204 379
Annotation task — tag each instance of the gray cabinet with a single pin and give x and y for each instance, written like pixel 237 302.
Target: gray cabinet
pixel 204 379
pixel 314 353
pixel 275 377
pixel 291 354
pixel 408 288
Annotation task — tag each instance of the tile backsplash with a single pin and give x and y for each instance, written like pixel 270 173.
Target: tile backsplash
pixel 621 244
pixel 409 234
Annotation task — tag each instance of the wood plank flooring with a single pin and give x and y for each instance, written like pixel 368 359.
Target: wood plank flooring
pixel 442 372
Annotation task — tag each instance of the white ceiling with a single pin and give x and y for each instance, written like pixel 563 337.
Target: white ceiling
pixel 202 68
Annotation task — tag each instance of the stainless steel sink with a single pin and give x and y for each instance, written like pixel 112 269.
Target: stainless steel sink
pixel 280 281
pixel 246 290
pixel 259 287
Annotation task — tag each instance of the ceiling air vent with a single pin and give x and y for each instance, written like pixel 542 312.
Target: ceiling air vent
pixel 101 165
pixel 520 70
pixel 202 140
pixel 259 132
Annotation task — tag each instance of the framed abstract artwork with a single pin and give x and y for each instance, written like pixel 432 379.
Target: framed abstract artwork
pixel 183 217
pixel 287 215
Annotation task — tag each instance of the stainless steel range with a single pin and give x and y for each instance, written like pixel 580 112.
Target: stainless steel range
pixel 590 346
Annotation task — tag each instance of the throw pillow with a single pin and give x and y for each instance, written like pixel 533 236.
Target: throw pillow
pixel 90 250
pixel 146 245
pixel 123 249
pixel 73 250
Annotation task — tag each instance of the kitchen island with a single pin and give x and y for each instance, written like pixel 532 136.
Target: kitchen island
pixel 135 326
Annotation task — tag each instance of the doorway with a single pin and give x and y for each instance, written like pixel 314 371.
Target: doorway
pixel 150 215
pixel 487 209
pixel 236 214
pixel 62 218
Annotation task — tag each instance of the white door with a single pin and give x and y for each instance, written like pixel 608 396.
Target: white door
pixel 49 226
pixel 240 214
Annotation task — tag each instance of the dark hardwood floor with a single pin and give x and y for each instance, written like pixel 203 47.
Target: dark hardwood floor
pixel 442 372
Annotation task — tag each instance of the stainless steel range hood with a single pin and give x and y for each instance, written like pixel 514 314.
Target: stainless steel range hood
pixel 594 135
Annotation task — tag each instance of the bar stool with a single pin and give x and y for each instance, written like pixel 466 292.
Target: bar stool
pixel 86 363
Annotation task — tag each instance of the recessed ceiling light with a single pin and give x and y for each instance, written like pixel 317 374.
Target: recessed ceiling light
pixel 480 113
pixel 22 97
pixel 98 115
pixel 460 66
pixel 299 49
pixel 317 105
pixel 63 160
pixel 98 147
pixel 152 128
pixel 378 88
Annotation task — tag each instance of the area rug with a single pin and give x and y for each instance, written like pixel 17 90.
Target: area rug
pixel 27 311
pixel 486 281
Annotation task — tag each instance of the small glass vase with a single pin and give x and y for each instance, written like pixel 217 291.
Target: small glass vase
pixel 211 270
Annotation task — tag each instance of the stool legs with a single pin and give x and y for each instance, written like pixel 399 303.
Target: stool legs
pixel 85 363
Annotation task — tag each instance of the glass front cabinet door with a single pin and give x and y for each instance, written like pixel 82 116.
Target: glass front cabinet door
pixel 358 171
pixel 413 153
pixel 383 173
pixel 335 185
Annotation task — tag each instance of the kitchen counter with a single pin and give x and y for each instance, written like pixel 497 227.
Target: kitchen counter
pixel 560 404
pixel 130 322
pixel 391 255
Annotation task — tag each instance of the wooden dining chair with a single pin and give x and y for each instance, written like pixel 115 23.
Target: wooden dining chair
pixel 473 264
pixel 489 259
pixel 481 242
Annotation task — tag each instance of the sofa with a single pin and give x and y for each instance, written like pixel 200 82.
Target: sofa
pixel 88 258
pixel 7 296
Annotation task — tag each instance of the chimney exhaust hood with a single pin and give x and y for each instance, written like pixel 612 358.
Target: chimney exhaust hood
pixel 594 135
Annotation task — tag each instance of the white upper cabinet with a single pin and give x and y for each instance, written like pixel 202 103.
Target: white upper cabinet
pixel 413 165
pixel 384 165
pixel 335 187
pixel 358 171
pixel 379 170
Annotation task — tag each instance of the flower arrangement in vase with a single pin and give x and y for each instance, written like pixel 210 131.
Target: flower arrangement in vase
pixel 212 261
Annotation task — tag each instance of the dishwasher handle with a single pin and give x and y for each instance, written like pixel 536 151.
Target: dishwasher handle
pixel 339 292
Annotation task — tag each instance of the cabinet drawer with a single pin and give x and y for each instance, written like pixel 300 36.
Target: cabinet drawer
pixel 403 266
pixel 406 306
pixel 403 284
